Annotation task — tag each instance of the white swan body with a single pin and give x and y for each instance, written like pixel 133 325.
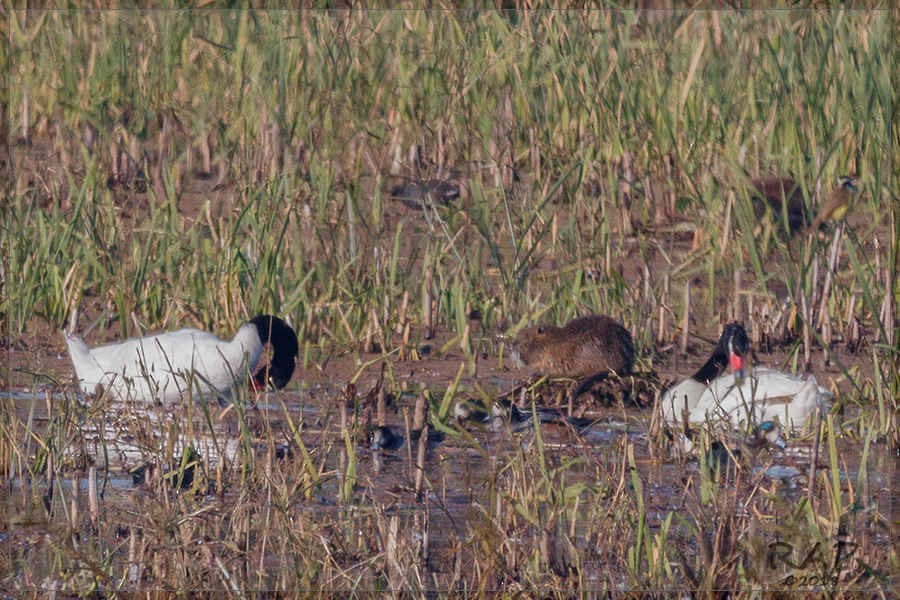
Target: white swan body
pixel 742 397
pixel 762 395
pixel 681 397
pixel 166 367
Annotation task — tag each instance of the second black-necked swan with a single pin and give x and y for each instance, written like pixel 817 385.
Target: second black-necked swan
pixel 165 367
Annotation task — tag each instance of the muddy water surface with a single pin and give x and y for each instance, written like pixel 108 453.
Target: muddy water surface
pixel 464 465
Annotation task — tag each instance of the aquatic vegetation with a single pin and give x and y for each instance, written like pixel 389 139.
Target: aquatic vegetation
pixel 193 168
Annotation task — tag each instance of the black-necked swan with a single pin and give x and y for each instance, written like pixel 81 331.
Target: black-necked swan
pixel 166 366
pixel 745 396
pixel 728 353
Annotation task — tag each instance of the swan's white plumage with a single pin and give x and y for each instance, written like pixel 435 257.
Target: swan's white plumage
pixel 165 366
pixel 681 396
pixel 763 395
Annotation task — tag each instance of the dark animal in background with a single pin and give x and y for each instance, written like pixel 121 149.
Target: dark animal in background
pixel 419 194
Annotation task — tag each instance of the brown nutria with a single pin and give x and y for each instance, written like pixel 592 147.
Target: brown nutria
pixel 584 347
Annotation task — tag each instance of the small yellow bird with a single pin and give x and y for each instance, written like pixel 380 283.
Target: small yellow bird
pixel 836 203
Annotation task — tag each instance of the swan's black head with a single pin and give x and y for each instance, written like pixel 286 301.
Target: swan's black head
pixel 285 348
pixel 731 349
pixel 734 340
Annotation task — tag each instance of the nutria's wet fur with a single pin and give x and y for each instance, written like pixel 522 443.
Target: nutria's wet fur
pixel 584 347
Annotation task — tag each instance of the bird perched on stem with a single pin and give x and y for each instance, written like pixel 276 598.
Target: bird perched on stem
pixel 784 197
pixel 836 203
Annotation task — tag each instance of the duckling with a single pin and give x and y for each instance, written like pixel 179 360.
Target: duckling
pixel 384 438
pixel 180 473
pixel 495 419
pixel 166 366
pixel 719 456
pixel 507 415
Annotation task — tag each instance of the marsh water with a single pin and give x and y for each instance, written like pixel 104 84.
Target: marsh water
pixel 128 446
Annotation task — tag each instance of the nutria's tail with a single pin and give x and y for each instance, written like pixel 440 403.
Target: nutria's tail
pixel 586 383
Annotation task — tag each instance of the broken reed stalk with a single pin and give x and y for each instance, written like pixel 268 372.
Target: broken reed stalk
pixel 807 351
pixel 378 332
pixel 737 314
pixel 645 280
pixel 664 301
pixel 726 231
pixel 421 521
pixel 824 319
pixel 754 321
pixel 404 344
pixel 408 433
pixel 420 424
pixel 134 567
pixel 625 187
pixel 343 458
pixel 654 432
pixel 368 343
pixel 421 413
pixel 93 500
pixel 390 552
pixel 887 306
pixel 381 407
pixel 220 479
pixel 466 347
pixel 814 458
pixel 401 317
pixel 51 470
pixel 686 318
pixel 343 416
pixel 427 302
pixel 814 283
pixel 73 513
pixel 851 324
pixel 420 462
